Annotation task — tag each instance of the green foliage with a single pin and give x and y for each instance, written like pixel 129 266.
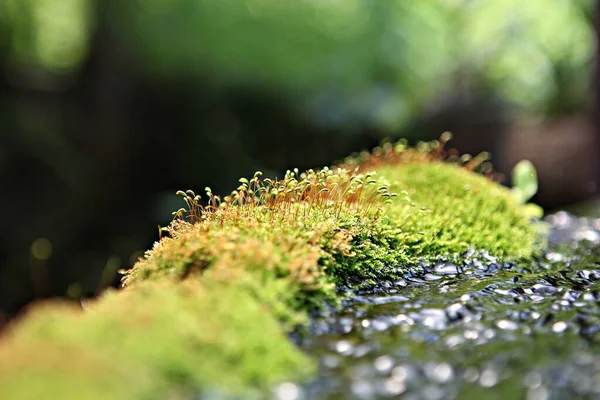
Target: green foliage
pixel 524 58
pixel 509 47
pixel 525 186
pixel 524 179
pixel 49 34
pixel 302 49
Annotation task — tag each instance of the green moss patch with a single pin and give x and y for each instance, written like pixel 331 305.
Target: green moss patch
pixel 452 209
pixel 207 308
pixel 157 341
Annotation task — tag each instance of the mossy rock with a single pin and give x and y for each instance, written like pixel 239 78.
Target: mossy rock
pixel 208 307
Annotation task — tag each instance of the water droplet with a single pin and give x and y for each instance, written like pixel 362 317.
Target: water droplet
pixel 343 347
pixel 489 333
pixel 507 325
pixel 384 364
pixel 432 277
pixel 446 269
pixel 402 319
pixel 554 257
pixel 471 334
pixel 379 325
pixel 559 327
pixel 488 378
pixel 394 386
pixel 287 391
pixel 439 373
pixel 537 393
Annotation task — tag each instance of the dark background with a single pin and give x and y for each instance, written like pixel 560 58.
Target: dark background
pixel 107 107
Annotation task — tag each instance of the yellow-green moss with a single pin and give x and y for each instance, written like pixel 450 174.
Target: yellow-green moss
pixel 208 306
pixel 153 342
pixel 452 209
pixel 31 370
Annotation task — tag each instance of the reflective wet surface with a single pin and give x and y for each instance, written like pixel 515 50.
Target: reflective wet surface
pixel 477 329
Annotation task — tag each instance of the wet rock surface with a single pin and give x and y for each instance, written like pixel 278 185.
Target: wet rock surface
pixel 474 329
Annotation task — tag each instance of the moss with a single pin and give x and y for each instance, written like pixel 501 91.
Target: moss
pixel 184 338
pixel 32 371
pixel 376 252
pixel 209 305
pixel 284 246
pixel 452 209
pixel 33 368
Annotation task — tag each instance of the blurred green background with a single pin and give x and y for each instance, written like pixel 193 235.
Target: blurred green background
pixel 107 107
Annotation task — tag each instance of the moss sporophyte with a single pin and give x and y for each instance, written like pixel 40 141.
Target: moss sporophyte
pixel 208 307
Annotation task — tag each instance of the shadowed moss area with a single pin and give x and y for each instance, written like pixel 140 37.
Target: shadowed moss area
pixel 208 306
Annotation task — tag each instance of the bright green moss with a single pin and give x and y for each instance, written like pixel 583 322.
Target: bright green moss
pixel 208 306
pixel 452 209
pixel 442 210
pixel 299 247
